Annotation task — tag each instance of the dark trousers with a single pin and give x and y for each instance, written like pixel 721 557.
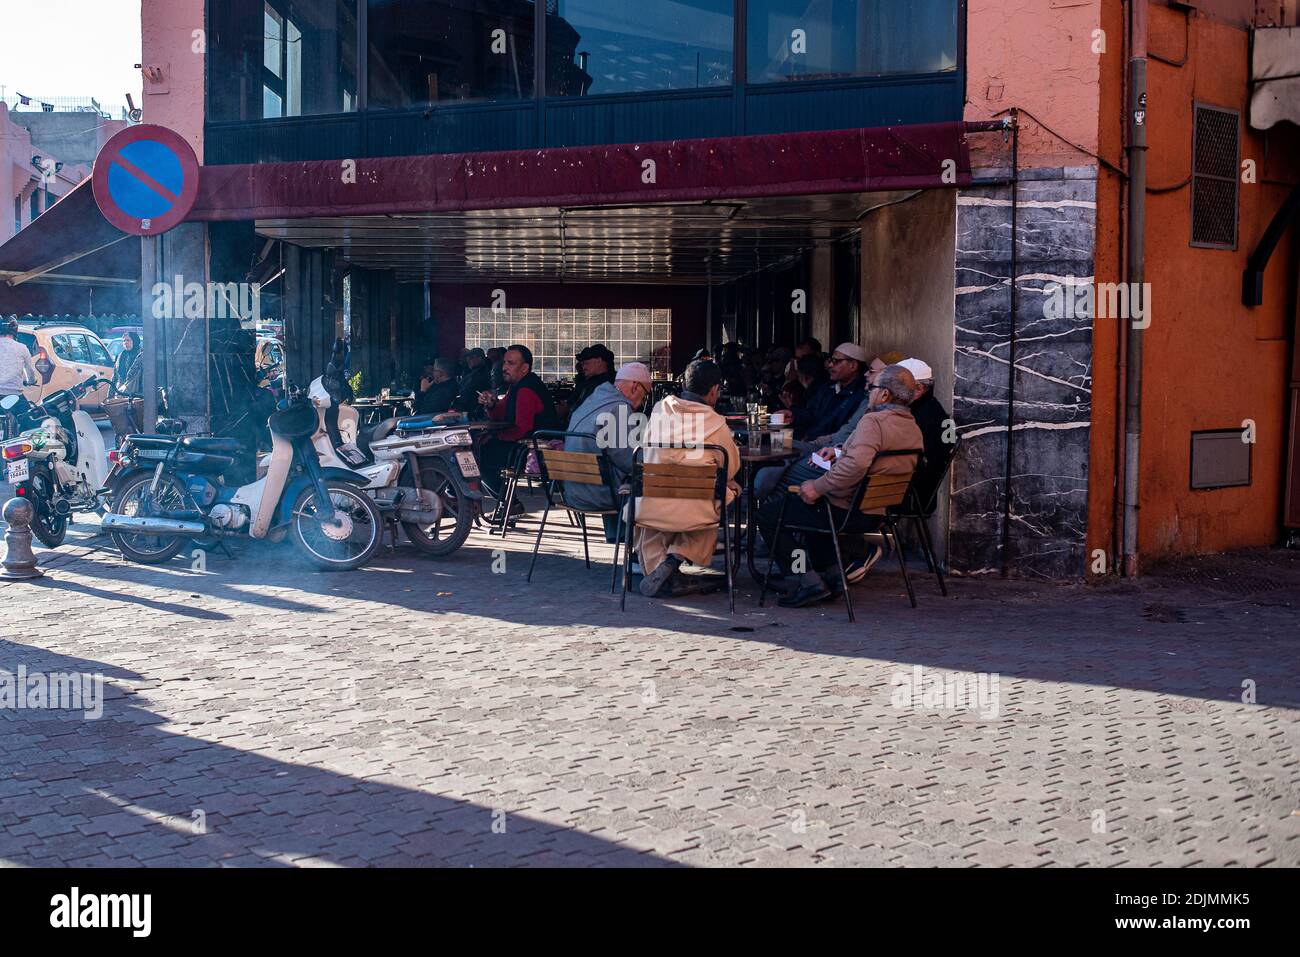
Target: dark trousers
pixel 492 458
pixel 819 548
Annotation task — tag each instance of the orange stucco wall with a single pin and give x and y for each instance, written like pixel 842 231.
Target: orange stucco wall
pixel 1211 363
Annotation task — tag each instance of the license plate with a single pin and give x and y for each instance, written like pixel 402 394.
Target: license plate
pixel 18 471
pixel 468 466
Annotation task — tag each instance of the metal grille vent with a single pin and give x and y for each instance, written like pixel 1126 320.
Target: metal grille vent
pixel 1215 164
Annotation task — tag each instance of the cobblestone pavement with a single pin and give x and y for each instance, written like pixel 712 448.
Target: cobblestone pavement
pixel 432 712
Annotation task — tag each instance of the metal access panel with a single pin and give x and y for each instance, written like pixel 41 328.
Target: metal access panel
pixel 1220 459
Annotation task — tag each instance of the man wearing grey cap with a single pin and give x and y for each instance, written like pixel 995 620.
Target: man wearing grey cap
pixel 604 419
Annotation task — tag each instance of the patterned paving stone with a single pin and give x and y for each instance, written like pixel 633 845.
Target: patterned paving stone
pixel 422 713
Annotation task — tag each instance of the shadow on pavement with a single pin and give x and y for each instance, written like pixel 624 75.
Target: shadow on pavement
pixel 138 787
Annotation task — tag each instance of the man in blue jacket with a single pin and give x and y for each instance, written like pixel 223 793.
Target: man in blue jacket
pixel 606 417
pixel 835 402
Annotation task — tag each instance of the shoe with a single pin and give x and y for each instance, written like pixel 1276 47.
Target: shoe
pixel 781 585
pixel 856 571
pixel 805 596
pixel 654 583
pixel 832 580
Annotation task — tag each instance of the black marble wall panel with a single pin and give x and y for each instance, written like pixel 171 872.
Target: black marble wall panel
pixel 1046 399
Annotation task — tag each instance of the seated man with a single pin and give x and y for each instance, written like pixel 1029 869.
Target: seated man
pixel 932 419
pixel 887 426
pixel 437 387
pixel 832 406
pixel 477 378
pixel 671 531
pixel 605 416
pixel 527 407
pixel 597 366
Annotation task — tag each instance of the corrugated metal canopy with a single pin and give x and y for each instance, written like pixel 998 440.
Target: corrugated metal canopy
pixel 666 243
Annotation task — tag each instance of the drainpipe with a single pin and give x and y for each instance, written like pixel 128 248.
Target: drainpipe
pixel 1137 166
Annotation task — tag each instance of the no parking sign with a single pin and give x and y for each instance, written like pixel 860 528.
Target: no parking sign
pixel 146 179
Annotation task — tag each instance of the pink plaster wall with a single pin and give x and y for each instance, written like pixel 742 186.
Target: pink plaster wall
pixel 175 100
pixel 1037 55
pixel 18 179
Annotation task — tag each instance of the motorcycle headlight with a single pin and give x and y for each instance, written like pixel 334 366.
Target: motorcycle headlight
pixel 459 438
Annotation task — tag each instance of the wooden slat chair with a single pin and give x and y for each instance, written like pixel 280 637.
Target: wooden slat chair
pixel 682 482
pixel 560 469
pixel 918 513
pixel 874 492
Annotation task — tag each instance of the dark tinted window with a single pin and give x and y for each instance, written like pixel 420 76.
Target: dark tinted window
pixel 624 46
pixel 842 38
pixel 425 52
pixel 276 58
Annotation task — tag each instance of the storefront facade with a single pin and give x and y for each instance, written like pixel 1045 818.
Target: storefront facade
pixel 926 182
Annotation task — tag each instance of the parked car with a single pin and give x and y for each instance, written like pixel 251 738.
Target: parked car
pixel 65 355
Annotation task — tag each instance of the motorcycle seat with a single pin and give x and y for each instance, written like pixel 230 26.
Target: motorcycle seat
pixel 149 441
pixel 416 423
pixel 374 433
pixel 221 446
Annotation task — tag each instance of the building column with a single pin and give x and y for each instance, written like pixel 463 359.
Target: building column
pixel 822 296
pixel 1043 405
pixel 182 345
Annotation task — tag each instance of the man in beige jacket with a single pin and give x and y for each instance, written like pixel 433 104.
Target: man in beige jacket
pixel 887 426
pixel 671 530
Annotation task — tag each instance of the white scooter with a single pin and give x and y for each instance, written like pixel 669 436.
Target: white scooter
pixel 58 461
pixel 426 478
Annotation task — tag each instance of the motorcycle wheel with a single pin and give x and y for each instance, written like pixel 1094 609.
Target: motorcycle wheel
pixel 147 549
pixel 333 554
pixel 457 520
pixel 50 529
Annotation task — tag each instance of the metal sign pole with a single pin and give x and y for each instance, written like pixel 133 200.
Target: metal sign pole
pixel 149 381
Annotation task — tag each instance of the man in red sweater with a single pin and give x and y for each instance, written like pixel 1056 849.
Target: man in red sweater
pixel 527 407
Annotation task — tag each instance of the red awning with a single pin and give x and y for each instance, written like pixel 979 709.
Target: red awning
pixel 789 164
pixel 70 259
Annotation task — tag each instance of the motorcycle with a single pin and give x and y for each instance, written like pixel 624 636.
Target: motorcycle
pixel 170 489
pixel 58 461
pixel 427 479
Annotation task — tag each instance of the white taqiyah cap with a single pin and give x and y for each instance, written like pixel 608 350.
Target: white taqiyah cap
pixel 920 371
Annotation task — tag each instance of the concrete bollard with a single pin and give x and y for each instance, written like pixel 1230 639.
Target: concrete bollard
pixel 19 561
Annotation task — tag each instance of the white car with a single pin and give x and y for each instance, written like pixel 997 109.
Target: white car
pixel 65 355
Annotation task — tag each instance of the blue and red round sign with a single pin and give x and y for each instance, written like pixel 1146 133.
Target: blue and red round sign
pixel 146 179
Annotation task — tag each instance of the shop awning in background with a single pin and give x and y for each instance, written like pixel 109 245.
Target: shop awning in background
pixel 70 260
pixel 1274 76
pixel 832 161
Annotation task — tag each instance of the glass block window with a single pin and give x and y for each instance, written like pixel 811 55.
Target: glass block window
pixel 556 336
pixel 1216 164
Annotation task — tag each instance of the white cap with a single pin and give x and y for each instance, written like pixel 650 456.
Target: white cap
pixel 920 371
pixel 636 372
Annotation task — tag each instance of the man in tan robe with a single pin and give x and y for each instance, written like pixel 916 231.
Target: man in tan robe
pixel 673 530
